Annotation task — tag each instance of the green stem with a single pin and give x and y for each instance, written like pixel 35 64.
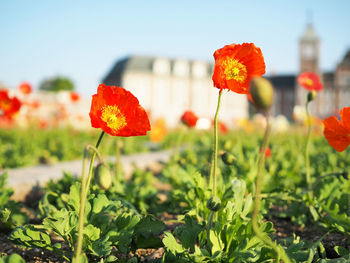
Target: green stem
pixel 82 207
pixel 117 165
pixel 307 158
pixel 215 157
pixel 83 195
pixel 92 162
pixel 210 222
pixel 257 199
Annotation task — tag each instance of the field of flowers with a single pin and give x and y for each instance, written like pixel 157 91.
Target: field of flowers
pixel 235 196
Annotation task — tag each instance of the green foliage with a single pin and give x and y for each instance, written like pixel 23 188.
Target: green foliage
pixel 13 258
pixel 34 146
pixel 108 223
pixel 10 210
pixel 57 84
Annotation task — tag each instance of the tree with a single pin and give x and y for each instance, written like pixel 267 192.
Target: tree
pixel 57 84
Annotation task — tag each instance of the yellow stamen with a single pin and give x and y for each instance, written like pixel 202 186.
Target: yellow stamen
pixel 112 116
pixel 309 82
pixel 235 70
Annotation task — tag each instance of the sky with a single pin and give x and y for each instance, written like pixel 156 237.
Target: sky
pixel 83 39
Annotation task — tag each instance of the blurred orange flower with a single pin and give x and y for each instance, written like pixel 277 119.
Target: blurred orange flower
pixel 310 81
pixel 8 106
pixel 337 132
pixel 74 97
pixel 189 119
pixel 158 131
pixel 25 88
pixel 118 112
pixel 235 65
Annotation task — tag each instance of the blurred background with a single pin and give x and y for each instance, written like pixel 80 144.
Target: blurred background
pixel 162 52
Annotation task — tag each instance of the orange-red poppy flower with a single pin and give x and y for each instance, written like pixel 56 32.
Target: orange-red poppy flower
pixel 310 81
pixel 189 119
pixel 117 112
pixel 8 106
pixel 74 97
pixel 235 65
pixel 25 88
pixel 337 132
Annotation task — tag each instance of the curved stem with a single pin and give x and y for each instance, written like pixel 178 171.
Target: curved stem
pixel 257 199
pixel 307 158
pixel 215 157
pixel 83 195
pixel 82 207
pixel 92 162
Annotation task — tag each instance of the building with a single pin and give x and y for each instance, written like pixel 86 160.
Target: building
pixel 166 88
pixel 336 92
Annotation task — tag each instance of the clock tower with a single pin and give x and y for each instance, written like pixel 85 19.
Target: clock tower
pixel 309 50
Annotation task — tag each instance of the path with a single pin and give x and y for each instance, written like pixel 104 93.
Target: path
pixel 22 180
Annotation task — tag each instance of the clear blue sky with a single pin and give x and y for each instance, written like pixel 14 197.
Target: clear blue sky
pixel 83 39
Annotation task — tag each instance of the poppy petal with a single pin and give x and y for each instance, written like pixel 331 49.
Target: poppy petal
pixel 336 134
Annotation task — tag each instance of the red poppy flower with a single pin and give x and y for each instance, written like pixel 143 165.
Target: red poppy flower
pixel 310 81
pixel 235 65
pixel 337 132
pixel 189 118
pixel 117 112
pixel 8 106
pixel 25 88
pixel 74 96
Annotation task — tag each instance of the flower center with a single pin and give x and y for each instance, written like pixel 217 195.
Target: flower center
pixel 112 116
pixel 235 70
pixel 5 105
pixel 309 82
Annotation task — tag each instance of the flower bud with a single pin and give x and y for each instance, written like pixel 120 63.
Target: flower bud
pixel 261 91
pixel 103 176
pixel 228 158
pixel 311 95
pixel 214 204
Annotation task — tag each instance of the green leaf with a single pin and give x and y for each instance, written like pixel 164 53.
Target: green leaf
pixel 149 226
pixel 101 247
pixel 13 258
pixel 170 243
pixel 92 232
pixel 217 244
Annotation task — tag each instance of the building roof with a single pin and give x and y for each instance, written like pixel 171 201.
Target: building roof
pixel 145 64
pixel 328 77
pixel 309 34
pixel 283 81
pixel 346 59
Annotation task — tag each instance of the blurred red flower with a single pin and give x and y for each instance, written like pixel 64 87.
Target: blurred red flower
pixel 235 65
pixel 337 132
pixel 25 88
pixel 118 112
pixel 189 119
pixel 310 81
pixel 74 96
pixel 8 106
pixel 222 126
pixel 267 152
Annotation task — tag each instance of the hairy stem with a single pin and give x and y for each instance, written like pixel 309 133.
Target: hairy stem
pixel 215 157
pixel 307 158
pixel 257 199
pixel 84 191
